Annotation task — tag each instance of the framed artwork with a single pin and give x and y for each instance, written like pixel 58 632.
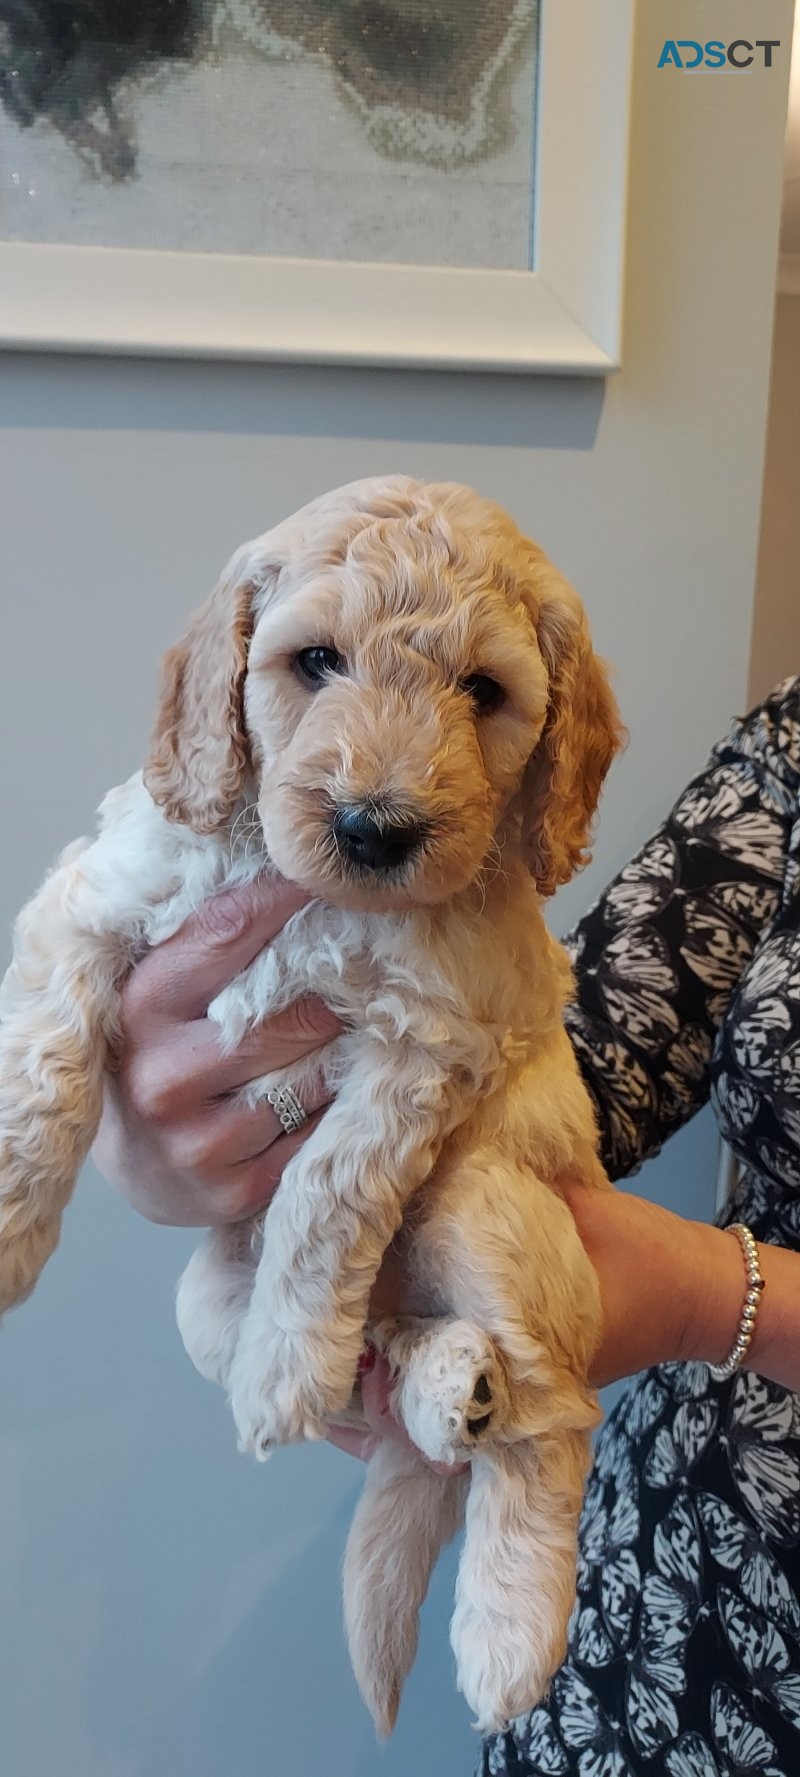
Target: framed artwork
pixel 431 183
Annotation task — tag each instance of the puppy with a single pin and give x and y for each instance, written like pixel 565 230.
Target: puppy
pixel 392 700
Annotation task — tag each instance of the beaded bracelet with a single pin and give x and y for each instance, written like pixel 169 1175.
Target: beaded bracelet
pixel 755 1284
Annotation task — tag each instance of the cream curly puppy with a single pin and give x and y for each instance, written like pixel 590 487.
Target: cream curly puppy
pixel 393 695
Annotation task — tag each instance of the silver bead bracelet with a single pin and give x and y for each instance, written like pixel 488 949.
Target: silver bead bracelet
pixel 755 1285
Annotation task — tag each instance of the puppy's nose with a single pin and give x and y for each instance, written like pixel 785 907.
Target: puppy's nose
pixel 372 843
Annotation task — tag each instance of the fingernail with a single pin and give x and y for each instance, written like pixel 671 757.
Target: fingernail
pixel 327 1021
pixel 366 1361
pixel 226 916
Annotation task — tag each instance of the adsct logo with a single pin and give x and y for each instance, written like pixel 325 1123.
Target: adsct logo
pixel 683 52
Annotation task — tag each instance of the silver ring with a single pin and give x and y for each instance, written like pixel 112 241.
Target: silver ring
pixel 287 1108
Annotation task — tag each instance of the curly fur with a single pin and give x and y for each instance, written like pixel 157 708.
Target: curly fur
pixel 457 1094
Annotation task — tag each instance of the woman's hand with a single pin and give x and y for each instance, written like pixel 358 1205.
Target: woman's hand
pixel 665 1286
pixel 671 1290
pixel 393 1294
pixel 178 1144
pixel 174 1140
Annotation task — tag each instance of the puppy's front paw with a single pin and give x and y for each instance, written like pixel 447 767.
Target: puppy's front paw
pixel 282 1392
pixel 269 1414
pixel 25 1246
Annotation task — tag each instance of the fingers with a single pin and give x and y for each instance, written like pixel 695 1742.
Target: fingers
pixel 179 979
pixel 353 1440
pixel 247 1189
pixel 573 1190
pixel 288 1037
pixel 163 1194
pixel 362 1441
pixel 170 1078
pixel 377 1389
pixel 232 1136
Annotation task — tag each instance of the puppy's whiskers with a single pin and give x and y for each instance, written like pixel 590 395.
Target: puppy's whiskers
pixel 491 870
pixel 245 829
pixel 325 847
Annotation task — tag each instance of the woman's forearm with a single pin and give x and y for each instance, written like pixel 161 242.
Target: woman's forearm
pixel 675 1289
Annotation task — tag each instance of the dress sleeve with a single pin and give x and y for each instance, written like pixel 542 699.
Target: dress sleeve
pixel 658 958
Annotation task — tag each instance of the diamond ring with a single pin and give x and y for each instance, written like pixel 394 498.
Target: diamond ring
pixel 287 1108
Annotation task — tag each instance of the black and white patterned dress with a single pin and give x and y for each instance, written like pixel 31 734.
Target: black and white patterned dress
pixel 685 1642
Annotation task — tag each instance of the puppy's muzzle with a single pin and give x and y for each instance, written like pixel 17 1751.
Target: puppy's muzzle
pixel 372 841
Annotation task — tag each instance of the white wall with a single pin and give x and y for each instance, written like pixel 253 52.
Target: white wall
pixel 167 1610
pixel 775 650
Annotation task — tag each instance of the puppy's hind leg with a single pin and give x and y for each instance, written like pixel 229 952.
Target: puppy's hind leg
pixel 505 1250
pixel 451 1391
pixel 516 1579
pixel 213 1297
pixel 404 1517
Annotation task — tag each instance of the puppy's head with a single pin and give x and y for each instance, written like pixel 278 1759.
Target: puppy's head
pixel 403 676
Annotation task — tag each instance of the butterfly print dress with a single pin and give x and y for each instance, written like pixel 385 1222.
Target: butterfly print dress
pixel 684 1656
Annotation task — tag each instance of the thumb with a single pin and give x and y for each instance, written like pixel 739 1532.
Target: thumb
pixel 215 945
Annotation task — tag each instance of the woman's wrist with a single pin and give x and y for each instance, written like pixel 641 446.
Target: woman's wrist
pixel 713 1324
pixel 671 1289
pixel 715 1294
pixel 775 1348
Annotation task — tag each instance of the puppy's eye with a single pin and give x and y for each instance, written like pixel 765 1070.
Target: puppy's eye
pixel 316 664
pixel 486 694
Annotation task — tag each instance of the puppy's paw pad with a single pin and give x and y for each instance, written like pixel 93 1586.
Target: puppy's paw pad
pixel 479 1411
pixel 453 1395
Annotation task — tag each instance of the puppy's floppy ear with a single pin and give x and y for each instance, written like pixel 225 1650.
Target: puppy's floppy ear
pixel 582 732
pixel 199 754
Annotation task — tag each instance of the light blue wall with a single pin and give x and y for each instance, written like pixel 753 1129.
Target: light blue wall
pixel 166 1609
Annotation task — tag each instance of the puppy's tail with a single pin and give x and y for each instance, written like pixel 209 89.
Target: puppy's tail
pixel 405 1515
pixel 58 1005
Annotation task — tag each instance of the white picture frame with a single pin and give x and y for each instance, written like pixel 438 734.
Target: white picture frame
pixel 564 316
